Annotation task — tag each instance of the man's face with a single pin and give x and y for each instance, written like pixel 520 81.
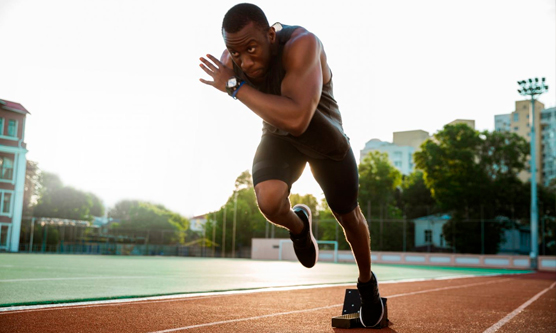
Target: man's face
pixel 250 49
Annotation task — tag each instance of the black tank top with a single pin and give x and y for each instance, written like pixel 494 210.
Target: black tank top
pixel 325 137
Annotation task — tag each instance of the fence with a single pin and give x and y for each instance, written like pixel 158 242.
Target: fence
pixel 432 234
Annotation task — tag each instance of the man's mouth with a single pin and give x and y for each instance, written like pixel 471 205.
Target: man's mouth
pixel 256 73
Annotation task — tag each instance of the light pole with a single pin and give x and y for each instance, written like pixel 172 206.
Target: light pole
pixel 532 88
pixel 234 226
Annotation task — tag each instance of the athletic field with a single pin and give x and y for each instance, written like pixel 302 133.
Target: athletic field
pixel 70 293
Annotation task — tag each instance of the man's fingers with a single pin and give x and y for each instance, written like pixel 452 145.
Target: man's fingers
pixel 210 83
pixel 207 70
pixel 216 61
pixel 208 64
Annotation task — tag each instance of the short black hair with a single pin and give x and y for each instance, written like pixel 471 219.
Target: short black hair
pixel 241 15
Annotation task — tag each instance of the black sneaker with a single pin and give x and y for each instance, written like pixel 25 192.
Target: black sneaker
pixel 304 244
pixel 372 309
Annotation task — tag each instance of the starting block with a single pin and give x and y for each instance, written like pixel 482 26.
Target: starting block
pixel 350 312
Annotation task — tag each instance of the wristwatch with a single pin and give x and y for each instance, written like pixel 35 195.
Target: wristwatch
pixel 233 85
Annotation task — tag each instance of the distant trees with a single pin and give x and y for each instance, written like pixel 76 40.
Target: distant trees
pixel 59 201
pixel 135 215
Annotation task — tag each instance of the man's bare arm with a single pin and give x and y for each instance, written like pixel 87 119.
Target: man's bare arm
pixel 301 87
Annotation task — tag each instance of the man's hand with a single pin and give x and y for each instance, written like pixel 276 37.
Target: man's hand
pixel 218 71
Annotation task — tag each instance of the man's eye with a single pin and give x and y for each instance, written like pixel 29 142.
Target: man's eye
pixel 251 49
pixel 234 54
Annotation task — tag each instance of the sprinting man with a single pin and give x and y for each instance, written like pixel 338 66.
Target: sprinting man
pixel 281 74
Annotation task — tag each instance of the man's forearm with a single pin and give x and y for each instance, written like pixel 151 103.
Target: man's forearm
pixel 280 111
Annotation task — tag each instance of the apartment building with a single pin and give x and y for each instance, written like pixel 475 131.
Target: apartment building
pixel 12 172
pixel 519 122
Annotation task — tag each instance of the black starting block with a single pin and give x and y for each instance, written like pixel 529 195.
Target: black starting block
pixel 350 312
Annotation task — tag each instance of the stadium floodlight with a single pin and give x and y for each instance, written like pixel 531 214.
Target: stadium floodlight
pixel 532 89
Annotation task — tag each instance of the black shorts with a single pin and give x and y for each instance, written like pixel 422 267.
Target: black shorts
pixel 278 159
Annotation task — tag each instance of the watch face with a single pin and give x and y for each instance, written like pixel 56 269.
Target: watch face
pixel 232 82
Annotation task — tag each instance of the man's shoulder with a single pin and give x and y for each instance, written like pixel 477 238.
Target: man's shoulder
pixel 301 40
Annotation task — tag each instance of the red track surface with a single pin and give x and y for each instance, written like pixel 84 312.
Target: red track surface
pixel 457 305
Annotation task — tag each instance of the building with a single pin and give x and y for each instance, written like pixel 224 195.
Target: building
pixel 411 138
pixel 197 223
pixel 502 123
pixel 548 140
pixel 400 151
pixel 400 156
pixel 13 164
pixel 545 130
pixel 468 122
pixel 428 232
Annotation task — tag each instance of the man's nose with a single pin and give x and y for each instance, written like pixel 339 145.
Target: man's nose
pixel 246 63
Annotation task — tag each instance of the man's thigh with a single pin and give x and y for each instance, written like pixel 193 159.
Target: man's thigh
pixel 277 159
pixel 339 181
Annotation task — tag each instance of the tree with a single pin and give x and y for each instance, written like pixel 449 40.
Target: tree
pixel 32 187
pixel 154 220
pixel 378 181
pixel 416 199
pixel 473 176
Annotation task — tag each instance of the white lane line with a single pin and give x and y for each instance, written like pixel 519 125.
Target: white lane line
pixel 515 312
pixel 320 308
pixel 250 318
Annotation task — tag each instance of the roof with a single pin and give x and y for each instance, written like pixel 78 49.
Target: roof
pixel 199 217
pixel 13 106
pixel 445 217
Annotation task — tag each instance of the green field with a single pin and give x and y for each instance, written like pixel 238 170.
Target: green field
pixel 41 278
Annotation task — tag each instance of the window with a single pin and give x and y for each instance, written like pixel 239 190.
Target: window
pixel 12 128
pixel 441 240
pixel 6 168
pixel 398 164
pixel 6 203
pixel 1 126
pixel 4 233
pixel 516 128
pixel 428 236
pixel 516 116
pixel 398 155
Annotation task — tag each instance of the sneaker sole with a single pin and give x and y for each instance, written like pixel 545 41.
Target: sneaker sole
pixel 310 218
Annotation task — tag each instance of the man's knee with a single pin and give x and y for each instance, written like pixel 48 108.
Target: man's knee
pixel 272 196
pixel 351 220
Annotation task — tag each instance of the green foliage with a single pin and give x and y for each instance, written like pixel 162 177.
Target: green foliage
pixel 416 198
pixel 473 176
pixel 57 200
pixel 308 199
pixel 32 187
pixel 152 218
pixel 250 223
pixel 378 180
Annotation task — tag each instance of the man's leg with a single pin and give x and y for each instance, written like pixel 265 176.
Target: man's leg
pixel 273 201
pixel 357 235
pixel 276 166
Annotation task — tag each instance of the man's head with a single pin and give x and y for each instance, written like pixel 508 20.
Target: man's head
pixel 242 14
pixel 249 39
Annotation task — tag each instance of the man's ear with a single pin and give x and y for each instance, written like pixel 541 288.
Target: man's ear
pixel 271 35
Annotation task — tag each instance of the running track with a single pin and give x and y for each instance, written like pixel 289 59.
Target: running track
pixel 510 303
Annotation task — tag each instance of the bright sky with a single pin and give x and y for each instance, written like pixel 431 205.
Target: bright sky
pixel 117 108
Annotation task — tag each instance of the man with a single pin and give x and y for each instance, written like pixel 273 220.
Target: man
pixel 282 75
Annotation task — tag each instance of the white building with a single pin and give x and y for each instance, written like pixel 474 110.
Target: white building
pixel 197 223
pixel 400 156
pixel 502 123
pixel 428 231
